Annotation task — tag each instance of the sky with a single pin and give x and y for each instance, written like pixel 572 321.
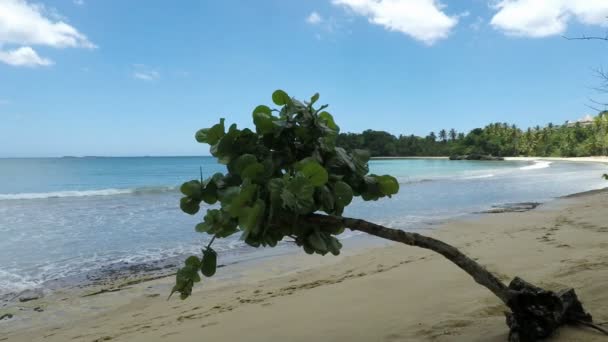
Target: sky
pixel 134 77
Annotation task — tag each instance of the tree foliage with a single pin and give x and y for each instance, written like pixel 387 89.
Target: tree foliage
pixel 286 168
pixel 498 139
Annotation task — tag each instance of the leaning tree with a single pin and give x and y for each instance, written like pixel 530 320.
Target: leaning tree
pixel 288 179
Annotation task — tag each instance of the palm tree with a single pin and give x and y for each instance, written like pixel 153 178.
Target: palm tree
pixel 443 136
pixel 453 134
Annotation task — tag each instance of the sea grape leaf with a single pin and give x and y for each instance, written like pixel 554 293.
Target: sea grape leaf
pixel 311 169
pixel 241 199
pixel 328 120
pixel 209 193
pixel 211 135
pixel 326 198
pixel 263 119
pixel 209 263
pixel 388 185
pixel 242 162
pixel 254 171
pixel 189 205
pixel 298 195
pixel 192 188
pixel 343 193
pixel 193 261
pixel 280 98
pixel 250 217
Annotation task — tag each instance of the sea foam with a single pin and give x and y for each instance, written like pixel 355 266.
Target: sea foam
pixel 538 164
pixel 85 193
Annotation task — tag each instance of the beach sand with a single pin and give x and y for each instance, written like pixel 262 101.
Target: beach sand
pixel 391 293
pixel 598 159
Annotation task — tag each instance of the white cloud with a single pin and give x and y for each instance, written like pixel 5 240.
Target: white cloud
pixel 25 24
pixel 423 20
pixel 24 56
pixel 534 18
pixel 314 18
pixel 145 73
pixel 79 2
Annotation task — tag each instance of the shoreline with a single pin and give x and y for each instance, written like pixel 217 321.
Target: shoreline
pixel 296 281
pixel 595 159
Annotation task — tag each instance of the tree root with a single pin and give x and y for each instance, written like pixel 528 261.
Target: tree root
pixel 536 313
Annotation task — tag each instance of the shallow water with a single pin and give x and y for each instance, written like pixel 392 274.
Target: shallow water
pixel 62 218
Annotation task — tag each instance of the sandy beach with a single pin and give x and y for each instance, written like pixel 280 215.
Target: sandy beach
pixel 389 293
pixel 597 159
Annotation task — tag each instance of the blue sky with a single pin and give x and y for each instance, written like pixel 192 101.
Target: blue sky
pixel 110 77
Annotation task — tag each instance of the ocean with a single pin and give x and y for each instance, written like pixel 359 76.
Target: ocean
pixel 63 220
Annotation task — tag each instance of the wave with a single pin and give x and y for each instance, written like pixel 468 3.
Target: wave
pixel 87 193
pixel 408 180
pixel 538 164
pixel 489 175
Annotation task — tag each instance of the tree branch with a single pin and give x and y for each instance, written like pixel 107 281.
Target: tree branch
pixel 475 270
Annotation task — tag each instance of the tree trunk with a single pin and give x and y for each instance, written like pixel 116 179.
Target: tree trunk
pixel 535 313
pixel 475 270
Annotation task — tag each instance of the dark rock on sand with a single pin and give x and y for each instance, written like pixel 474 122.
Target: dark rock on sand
pixel 6 316
pixel 29 295
pixel 512 208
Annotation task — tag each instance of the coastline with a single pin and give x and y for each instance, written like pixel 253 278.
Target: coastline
pixel 596 159
pixel 387 293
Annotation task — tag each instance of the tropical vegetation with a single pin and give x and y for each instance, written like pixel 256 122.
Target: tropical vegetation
pixel 497 139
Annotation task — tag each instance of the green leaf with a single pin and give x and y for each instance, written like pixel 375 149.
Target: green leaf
pixel 317 242
pixel 262 109
pixel 264 123
pixel 193 261
pixel 280 98
pixel 243 161
pixel 328 120
pixel 326 198
pixel 314 98
pixel 240 200
pixel 251 217
pixel 342 159
pixel 388 185
pixel 217 222
pixel 361 160
pixel 333 245
pixel 209 263
pixel 298 195
pixel 343 193
pixel 255 172
pixel 192 189
pixel 209 193
pixel 263 119
pixel 211 135
pixel 311 169
pixel 189 205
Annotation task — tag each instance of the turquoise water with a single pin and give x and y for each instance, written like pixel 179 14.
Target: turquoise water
pixel 66 217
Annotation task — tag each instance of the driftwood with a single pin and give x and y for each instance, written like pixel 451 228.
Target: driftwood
pixel 535 313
